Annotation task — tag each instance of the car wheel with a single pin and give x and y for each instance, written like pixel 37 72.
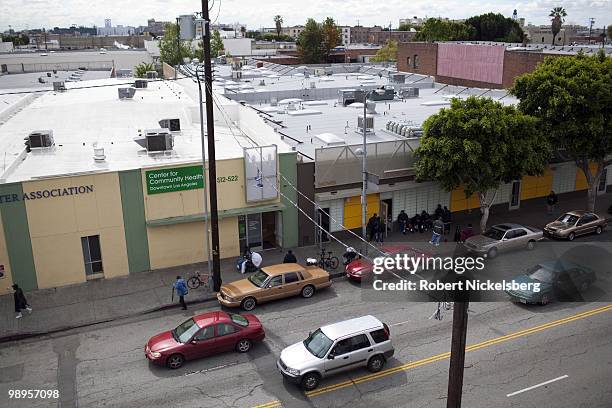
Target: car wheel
pixel 376 364
pixel 544 300
pixel 530 245
pixel 244 345
pixel 175 361
pixel 310 381
pixel 598 230
pixel 571 236
pixel 492 253
pixel 249 304
pixel 308 291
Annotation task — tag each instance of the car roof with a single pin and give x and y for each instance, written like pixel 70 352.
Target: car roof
pixel 348 327
pixel 282 268
pixel 508 225
pixel 206 319
pixel 578 213
pixel 559 265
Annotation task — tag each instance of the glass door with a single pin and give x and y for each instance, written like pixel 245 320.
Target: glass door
pixel 515 195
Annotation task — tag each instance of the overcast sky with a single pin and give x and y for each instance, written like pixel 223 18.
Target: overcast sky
pixel 258 13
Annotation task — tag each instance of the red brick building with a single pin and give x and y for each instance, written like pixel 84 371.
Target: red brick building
pixel 473 65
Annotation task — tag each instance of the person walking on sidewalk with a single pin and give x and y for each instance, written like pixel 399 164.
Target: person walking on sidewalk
pixel 181 290
pixel 402 221
pixel 21 302
pixel 438 228
pixel 551 202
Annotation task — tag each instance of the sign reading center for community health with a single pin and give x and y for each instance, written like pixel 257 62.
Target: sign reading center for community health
pixel 175 179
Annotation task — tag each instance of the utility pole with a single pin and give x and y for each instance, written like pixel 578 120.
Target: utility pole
pixel 178 48
pixel 212 170
pixel 457 357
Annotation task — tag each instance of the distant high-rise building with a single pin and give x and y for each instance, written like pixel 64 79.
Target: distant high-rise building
pixel 107 23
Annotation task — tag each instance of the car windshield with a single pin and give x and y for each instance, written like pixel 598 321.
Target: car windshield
pixel 185 331
pixel 494 233
pixel 542 274
pixel 239 320
pixel 318 343
pixel 568 218
pixel 258 278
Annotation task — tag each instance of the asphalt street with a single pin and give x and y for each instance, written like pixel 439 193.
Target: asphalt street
pixel 511 348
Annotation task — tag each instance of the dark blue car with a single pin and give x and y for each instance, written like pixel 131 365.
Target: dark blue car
pixel 561 280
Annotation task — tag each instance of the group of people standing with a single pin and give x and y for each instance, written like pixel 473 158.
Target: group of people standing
pixel 376 229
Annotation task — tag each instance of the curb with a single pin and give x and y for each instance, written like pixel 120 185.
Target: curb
pixel 28 335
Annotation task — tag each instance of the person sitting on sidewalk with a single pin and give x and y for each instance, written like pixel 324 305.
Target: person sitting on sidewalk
pixel 181 290
pixel 438 229
pixel 21 302
pixel 289 257
pixel 402 221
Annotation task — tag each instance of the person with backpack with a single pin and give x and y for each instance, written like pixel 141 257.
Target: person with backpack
pixel 181 290
pixel 402 221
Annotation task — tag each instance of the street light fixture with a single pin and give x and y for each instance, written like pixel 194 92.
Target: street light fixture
pixel 364 154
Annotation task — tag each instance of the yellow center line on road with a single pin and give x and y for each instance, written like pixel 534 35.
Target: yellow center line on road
pixel 444 356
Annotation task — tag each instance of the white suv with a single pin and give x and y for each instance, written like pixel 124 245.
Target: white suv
pixel 360 342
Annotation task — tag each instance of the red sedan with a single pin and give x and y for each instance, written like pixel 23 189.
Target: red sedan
pixel 204 335
pixel 362 268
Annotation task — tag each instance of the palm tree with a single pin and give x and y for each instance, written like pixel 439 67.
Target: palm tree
pixel 243 31
pixel 278 22
pixel 557 15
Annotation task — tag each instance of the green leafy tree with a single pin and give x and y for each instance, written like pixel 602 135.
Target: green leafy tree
pixel 274 37
pixel 478 144
pixel 609 32
pixel 435 29
pixel 386 53
pixel 278 24
pixel 142 68
pixel 216 44
pixel 331 36
pixel 310 43
pixel 495 27
pixel 557 14
pixel 572 97
pixel 172 49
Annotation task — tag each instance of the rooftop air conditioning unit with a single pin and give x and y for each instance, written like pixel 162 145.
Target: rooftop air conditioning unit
pixel 398 78
pixel 151 74
pixel 369 124
pixel 141 83
pixel 236 74
pixel 371 107
pixel 59 86
pixel 313 84
pixel 124 73
pixel 291 106
pixel 411 92
pixel 173 124
pixel 126 93
pixel 262 82
pixel 346 96
pixel 158 140
pixel 274 101
pixel 40 138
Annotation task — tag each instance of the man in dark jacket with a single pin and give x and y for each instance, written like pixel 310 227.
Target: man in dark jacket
pixel 551 202
pixel 402 221
pixel 372 227
pixel 181 290
pixel 21 302
pixel 289 257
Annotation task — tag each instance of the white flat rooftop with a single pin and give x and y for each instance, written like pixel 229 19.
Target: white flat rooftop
pixel 82 118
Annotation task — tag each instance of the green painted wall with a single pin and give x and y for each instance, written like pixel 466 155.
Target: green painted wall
pixel 17 236
pixel 288 168
pixel 134 221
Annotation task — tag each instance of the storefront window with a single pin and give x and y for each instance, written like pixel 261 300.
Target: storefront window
pixel 92 255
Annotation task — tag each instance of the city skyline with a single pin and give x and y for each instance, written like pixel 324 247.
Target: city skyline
pixel 256 15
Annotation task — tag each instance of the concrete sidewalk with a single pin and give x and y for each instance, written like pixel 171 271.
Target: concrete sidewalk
pixel 111 299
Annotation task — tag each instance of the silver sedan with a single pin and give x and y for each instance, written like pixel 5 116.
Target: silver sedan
pixel 503 237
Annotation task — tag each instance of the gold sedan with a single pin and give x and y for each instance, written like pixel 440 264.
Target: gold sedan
pixel 273 282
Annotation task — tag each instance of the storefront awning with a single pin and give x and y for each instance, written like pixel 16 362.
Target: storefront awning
pixel 222 214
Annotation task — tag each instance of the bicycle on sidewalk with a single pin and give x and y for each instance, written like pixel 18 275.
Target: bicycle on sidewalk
pixel 198 280
pixel 327 261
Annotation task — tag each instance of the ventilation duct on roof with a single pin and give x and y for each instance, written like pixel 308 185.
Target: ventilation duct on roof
pixel 141 83
pixel 151 74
